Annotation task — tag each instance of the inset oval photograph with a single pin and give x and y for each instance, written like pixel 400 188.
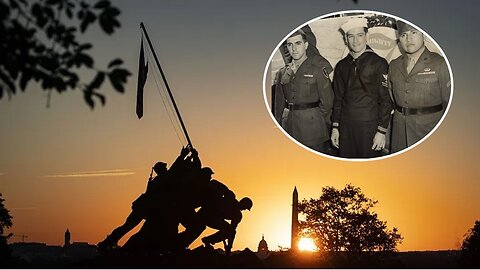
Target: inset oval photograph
pixel 358 85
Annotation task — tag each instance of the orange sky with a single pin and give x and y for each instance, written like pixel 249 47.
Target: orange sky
pixel 429 193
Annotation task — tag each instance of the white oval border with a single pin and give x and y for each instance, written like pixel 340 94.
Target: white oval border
pixel 357 159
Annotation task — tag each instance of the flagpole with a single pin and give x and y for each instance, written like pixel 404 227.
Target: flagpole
pixel 166 85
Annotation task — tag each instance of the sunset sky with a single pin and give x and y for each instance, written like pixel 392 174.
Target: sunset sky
pixel 70 167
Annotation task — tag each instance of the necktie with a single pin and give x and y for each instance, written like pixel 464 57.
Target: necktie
pixel 411 64
pixel 294 67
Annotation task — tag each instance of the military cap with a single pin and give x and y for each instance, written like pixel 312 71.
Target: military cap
pixel 207 170
pixel 354 23
pixel 297 33
pixel 404 27
pixel 247 203
pixel 159 166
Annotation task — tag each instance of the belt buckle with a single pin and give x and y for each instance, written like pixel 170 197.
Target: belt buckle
pixel 290 106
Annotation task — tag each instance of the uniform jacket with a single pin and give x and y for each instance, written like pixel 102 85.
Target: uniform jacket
pixel 311 83
pixel 355 102
pixel 428 84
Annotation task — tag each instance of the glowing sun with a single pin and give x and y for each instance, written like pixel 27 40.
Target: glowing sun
pixel 306 244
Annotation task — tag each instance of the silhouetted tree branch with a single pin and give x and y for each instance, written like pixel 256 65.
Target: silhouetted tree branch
pixel 471 242
pixel 39 41
pixel 342 220
pixel 471 246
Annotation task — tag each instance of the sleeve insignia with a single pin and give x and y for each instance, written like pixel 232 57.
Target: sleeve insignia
pixel 385 80
pixel 325 72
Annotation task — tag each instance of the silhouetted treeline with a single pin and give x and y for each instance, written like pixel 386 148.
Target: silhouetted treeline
pixel 206 258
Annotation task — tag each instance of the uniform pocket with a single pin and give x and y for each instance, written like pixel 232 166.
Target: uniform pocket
pixel 428 85
pixel 310 86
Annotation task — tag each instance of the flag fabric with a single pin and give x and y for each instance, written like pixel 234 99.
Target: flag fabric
pixel 142 78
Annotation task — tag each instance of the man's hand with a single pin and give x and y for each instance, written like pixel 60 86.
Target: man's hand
pixel 184 152
pixel 378 141
pixel 334 137
pixel 194 152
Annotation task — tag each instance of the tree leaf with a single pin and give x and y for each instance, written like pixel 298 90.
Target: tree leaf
pixel 97 82
pixel 118 77
pixel 48 63
pixel 69 13
pixel 80 14
pixel 47 83
pixel 50 31
pixel 85 46
pixel 84 5
pixel 99 96
pixel 13 4
pixel 26 76
pixel 116 83
pixel 87 20
pixel 73 81
pixel 53 2
pixel 36 10
pixel 6 80
pixel 85 59
pixel 49 12
pixel 39 48
pixel 108 20
pixel 115 62
pixel 102 4
pixel 38 14
pixel 59 84
pixel 87 95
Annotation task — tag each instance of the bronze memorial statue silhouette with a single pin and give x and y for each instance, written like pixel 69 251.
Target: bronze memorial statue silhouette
pixel 183 194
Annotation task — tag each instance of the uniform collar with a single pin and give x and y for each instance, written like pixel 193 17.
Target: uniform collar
pixel 295 66
pixel 416 55
pixel 368 49
pixel 365 52
pixel 423 59
pixel 289 71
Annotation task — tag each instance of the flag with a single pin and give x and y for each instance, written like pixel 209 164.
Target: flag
pixel 142 78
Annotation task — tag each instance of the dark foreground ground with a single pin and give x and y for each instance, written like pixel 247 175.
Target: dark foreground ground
pixel 204 258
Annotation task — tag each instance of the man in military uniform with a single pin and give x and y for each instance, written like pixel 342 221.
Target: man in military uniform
pixel 362 105
pixel 420 85
pixel 206 193
pixel 215 214
pixel 150 205
pixel 140 208
pixel 304 95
